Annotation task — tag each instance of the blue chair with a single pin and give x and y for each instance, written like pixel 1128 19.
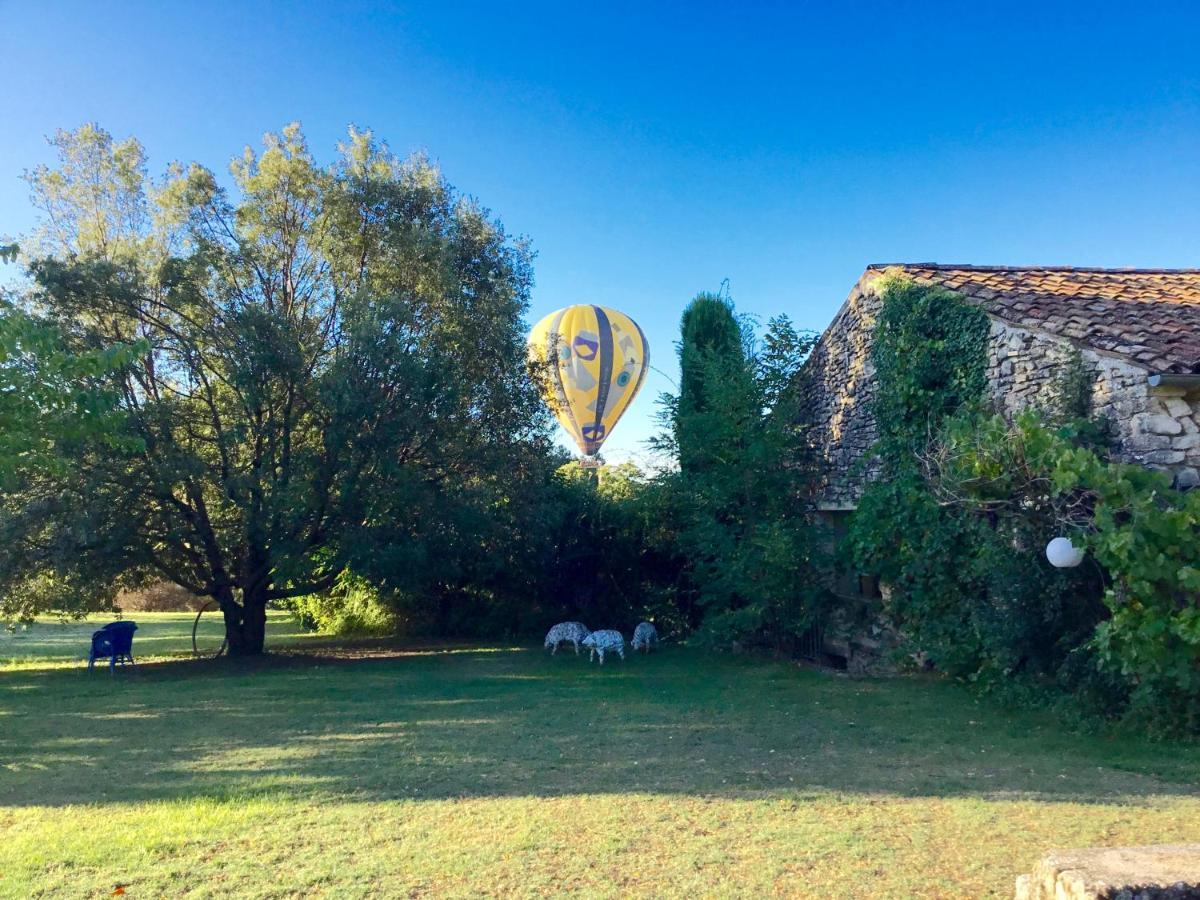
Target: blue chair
pixel 114 640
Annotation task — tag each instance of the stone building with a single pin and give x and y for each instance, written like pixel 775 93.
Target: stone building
pixel 1137 329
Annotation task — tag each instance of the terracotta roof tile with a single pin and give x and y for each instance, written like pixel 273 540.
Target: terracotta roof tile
pixel 1150 315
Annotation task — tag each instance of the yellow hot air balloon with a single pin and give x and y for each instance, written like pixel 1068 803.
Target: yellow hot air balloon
pixel 596 360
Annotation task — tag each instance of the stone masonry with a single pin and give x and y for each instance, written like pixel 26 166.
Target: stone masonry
pixel 1154 872
pixel 1154 426
pixel 839 385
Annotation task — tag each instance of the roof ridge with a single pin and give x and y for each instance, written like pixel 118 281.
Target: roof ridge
pixel 976 268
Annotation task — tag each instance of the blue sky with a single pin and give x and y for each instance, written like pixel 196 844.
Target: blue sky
pixel 652 150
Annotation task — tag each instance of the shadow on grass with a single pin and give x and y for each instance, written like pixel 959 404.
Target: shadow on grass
pixel 377 722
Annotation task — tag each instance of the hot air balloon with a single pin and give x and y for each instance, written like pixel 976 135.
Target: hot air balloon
pixel 596 359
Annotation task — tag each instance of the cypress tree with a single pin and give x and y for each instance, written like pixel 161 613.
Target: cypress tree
pixel 710 348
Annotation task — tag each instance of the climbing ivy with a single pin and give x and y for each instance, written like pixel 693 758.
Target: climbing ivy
pixel 965 587
pixel 964 500
pixel 930 356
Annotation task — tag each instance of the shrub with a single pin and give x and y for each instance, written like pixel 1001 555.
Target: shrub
pixel 352 608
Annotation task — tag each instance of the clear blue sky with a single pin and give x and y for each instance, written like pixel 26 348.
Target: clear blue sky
pixel 651 151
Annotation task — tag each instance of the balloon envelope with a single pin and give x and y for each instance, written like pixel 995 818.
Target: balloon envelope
pixel 596 360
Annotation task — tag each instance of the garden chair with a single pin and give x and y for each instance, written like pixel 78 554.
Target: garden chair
pixel 114 640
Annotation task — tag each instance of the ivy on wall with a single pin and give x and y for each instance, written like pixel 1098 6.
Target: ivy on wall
pixel 957 519
pixel 930 356
pixel 967 586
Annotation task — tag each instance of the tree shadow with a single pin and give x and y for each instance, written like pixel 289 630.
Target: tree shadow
pixel 378 722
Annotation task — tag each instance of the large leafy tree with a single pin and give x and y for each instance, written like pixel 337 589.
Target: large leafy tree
pixel 334 363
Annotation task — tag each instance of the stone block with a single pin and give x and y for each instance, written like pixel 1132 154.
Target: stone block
pixel 1158 424
pixel 1164 457
pixel 1186 479
pixel 1177 407
pixel 1186 442
pixel 1145 442
pixel 1155 872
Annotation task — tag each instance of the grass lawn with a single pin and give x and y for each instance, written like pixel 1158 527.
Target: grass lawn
pixel 499 770
pixel 54 643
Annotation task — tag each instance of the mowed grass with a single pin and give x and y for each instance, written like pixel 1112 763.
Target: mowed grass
pixel 456 771
pixel 57 643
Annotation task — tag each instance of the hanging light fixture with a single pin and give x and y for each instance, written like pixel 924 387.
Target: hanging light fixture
pixel 1063 554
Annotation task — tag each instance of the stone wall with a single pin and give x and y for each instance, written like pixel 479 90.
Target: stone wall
pixel 1154 427
pixel 839 384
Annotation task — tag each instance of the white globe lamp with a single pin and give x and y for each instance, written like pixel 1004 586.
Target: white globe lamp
pixel 1063 554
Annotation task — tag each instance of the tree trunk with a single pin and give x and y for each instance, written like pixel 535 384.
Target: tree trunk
pixel 246 623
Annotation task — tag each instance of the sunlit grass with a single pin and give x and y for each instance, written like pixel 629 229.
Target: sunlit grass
pixel 373 771
pixel 52 643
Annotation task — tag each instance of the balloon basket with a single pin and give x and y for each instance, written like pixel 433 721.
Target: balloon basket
pixel 589 462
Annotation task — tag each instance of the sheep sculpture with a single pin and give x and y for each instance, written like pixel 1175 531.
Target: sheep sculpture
pixel 566 632
pixel 643 636
pixel 606 641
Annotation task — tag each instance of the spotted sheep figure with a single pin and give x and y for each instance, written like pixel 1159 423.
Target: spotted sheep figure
pixel 574 632
pixel 601 642
pixel 643 636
